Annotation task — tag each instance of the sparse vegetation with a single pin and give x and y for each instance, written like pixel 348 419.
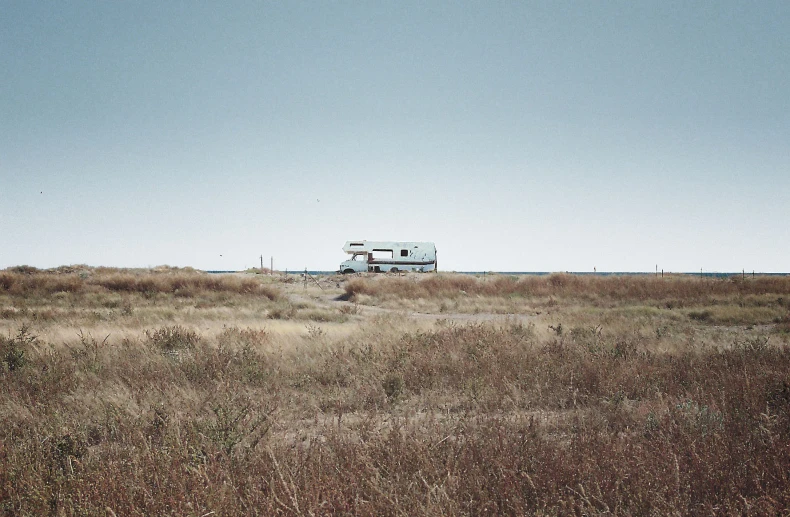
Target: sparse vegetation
pixel 24 281
pixel 595 398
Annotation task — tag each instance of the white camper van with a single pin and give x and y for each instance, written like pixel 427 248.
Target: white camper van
pixel 382 257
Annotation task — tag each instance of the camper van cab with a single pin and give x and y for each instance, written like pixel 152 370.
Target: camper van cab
pixel 383 257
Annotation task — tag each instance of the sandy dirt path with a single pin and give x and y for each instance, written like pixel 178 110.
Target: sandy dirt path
pixel 331 299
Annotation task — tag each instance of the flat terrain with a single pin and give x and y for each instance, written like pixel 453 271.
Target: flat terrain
pixel 174 392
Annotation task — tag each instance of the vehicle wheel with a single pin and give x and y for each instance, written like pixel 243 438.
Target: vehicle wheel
pixel 348 271
pixel 394 270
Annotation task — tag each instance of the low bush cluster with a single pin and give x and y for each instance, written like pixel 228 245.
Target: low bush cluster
pixel 676 289
pixel 182 283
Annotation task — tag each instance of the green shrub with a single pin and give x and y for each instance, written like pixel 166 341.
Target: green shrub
pixel 12 350
pixel 393 386
pixel 703 316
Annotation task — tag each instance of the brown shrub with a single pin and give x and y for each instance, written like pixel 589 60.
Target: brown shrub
pixel 8 281
pixel 676 288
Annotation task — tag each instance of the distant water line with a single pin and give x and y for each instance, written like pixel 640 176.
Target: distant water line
pixel 545 273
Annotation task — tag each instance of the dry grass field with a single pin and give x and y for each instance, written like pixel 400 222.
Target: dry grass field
pixel 174 392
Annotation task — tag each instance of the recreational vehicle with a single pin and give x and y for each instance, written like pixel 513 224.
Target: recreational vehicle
pixel 382 257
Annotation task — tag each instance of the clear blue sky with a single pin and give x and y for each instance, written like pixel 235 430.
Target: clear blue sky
pixel 537 136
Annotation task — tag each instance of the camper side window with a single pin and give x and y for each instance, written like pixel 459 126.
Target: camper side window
pixel 382 254
pixel 404 253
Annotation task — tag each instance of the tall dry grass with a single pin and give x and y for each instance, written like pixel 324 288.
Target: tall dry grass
pixel 460 419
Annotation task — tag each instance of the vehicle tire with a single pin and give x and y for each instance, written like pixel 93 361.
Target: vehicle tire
pixel 348 271
pixel 394 270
